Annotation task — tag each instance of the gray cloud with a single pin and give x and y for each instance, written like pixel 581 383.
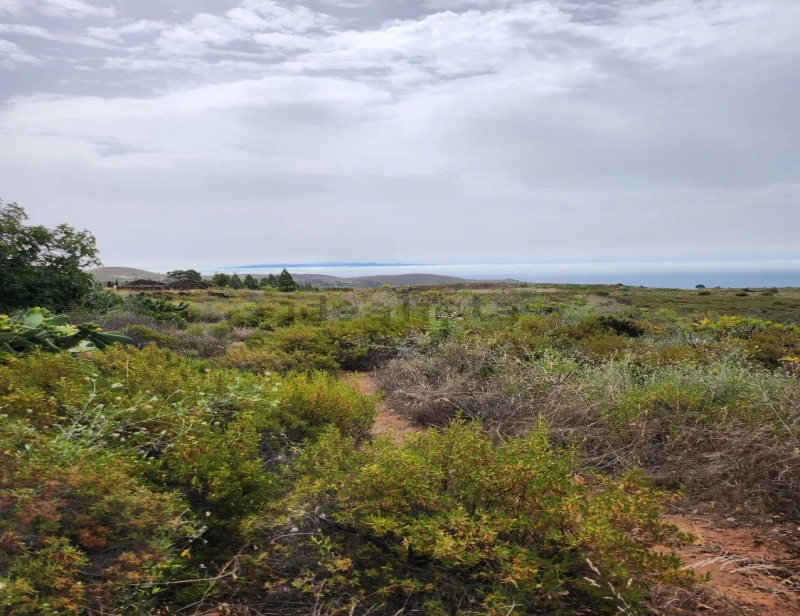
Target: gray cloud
pixel 443 130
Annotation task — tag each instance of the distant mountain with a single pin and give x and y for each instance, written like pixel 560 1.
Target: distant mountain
pixel 376 281
pixel 126 274
pixel 104 274
pixel 308 265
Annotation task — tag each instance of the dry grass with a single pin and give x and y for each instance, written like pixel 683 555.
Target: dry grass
pixel 730 434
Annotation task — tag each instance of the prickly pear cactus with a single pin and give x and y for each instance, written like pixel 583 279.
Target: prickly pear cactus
pixel 38 328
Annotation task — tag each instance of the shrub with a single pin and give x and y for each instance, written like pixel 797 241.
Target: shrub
pixel 602 346
pixel 107 460
pixel 699 417
pixel 219 330
pixel 205 313
pixel 99 302
pixel 452 523
pixel 319 399
pixel 257 360
pixel 78 532
pixel 161 311
pixel 603 325
pixel 143 335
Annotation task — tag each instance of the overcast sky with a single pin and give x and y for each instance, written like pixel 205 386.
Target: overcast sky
pixel 226 132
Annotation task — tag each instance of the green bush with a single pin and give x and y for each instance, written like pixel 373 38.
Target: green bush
pixel 452 523
pixel 79 532
pixel 161 311
pixel 115 465
pixel 142 335
pixel 100 302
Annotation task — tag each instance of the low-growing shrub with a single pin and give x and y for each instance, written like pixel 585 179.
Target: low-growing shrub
pixel 452 523
pixel 129 471
pixel 701 417
pixel 160 310
pixel 220 330
pixel 143 335
pixel 204 313
pixel 79 533
pixel 99 302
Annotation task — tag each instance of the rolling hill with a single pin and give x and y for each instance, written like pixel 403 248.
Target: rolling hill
pixel 125 274
pixel 376 281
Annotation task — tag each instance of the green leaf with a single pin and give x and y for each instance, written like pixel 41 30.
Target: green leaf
pixel 33 320
pixel 110 338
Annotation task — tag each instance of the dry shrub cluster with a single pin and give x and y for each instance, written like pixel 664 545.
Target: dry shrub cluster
pixel 722 429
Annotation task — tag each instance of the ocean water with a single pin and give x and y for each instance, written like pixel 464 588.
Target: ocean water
pixel 682 275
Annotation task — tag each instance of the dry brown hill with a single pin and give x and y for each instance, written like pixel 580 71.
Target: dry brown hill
pixel 124 274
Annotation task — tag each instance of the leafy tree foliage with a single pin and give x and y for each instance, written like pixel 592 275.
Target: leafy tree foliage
pixel 270 281
pixel 236 282
pixel 41 266
pixel 286 283
pixel 250 282
pixel 221 280
pixel 190 274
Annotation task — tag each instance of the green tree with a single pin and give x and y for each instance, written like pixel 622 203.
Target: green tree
pixel 286 283
pixel 250 282
pixel 270 281
pixel 221 280
pixel 236 282
pixel 40 266
pixel 190 274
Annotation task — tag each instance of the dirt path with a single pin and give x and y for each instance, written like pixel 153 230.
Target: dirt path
pixel 752 571
pixel 387 422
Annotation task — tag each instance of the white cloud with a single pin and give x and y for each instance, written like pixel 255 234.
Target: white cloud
pixel 12 55
pixel 50 35
pixel 11 7
pixel 496 129
pixel 73 8
pixel 143 26
pixel 107 34
pixel 262 21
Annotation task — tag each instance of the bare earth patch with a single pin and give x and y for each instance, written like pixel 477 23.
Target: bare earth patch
pixel 751 571
pixel 387 422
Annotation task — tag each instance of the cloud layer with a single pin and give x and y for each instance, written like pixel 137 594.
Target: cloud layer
pixel 439 131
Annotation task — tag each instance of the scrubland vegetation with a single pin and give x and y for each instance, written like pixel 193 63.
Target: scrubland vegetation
pixel 212 458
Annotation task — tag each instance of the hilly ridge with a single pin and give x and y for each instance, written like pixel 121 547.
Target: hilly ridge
pixel 125 274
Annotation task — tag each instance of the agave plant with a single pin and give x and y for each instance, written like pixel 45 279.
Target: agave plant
pixel 38 328
pixel 158 309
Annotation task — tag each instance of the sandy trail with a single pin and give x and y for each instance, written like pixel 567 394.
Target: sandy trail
pixel 752 570
pixel 387 422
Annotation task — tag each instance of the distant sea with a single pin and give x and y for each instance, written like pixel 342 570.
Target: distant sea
pixel 682 275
